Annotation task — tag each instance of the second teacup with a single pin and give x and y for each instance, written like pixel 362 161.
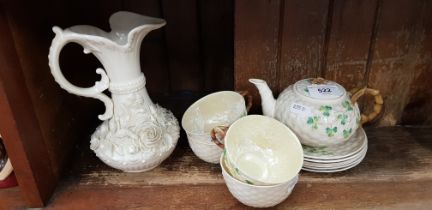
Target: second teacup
pixel 216 109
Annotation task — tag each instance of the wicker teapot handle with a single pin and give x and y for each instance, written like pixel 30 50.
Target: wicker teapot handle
pixel 358 92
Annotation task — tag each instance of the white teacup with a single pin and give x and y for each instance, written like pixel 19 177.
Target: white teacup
pixel 5 164
pixel 6 170
pixel 257 196
pixel 216 109
pixel 261 150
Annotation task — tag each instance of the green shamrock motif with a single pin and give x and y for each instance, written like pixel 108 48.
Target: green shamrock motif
pixel 237 172
pixel 331 131
pixel 347 105
pixel 313 121
pixel 326 110
pixel 249 182
pixel 316 150
pixel 343 118
pixel 244 114
pixel 347 133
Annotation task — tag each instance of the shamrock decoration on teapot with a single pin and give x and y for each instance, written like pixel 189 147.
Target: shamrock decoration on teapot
pixel 321 112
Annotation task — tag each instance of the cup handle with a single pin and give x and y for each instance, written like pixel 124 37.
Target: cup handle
pixel 218 135
pixel 248 98
pixel 358 92
pixel 60 40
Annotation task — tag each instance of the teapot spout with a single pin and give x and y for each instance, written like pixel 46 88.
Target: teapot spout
pixel 268 102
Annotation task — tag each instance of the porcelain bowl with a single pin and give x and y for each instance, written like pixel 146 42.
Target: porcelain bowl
pixel 262 151
pixel 257 196
pixel 216 109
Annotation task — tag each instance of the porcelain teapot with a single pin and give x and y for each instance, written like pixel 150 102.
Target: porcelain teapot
pixel 321 112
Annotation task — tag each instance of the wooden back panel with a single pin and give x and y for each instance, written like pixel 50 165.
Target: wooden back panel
pixel 380 43
pixel 20 127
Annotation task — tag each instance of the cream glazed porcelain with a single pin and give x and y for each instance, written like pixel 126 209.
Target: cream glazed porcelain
pixel 339 158
pixel 260 150
pixel 5 163
pixel 136 135
pixel 257 196
pixel 340 152
pixel 332 168
pixel 319 111
pixel 216 109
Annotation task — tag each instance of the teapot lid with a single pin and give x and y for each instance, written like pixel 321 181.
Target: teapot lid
pixel 319 88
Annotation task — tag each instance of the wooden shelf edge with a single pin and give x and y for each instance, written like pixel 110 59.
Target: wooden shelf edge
pixel 395 154
pixel 396 174
pixel 384 195
pixel 11 198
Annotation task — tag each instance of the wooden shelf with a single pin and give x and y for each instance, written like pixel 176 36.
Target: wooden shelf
pixel 396 173
pixel 205 47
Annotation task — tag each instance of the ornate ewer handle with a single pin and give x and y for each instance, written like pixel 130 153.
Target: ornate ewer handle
pixel 60 40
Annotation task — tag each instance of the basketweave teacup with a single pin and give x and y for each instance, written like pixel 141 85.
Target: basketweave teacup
pixel 216 109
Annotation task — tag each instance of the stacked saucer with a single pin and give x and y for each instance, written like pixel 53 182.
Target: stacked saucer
pixel 337 158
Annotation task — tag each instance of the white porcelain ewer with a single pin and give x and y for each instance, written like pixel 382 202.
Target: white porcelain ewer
pixel 136 135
